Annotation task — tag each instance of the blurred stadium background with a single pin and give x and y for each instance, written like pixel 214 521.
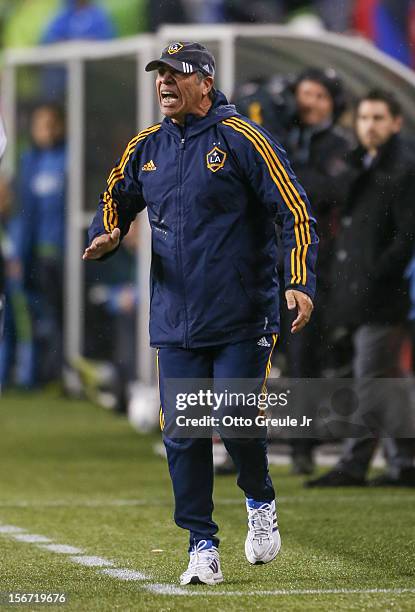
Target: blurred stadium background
pixel 94 71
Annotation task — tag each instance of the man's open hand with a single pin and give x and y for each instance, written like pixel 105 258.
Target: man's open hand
pixel 101 245
pixel 304 306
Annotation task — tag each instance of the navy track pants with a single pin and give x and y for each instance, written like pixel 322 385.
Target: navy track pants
pixel 190 459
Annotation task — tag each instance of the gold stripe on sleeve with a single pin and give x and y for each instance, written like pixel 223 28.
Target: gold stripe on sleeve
pixel 295 261
pixel 110 212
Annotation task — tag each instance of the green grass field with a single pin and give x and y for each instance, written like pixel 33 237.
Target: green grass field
pixel 82 477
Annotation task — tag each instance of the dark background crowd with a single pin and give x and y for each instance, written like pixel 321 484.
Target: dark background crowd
pixel 388 23
pixel 359 175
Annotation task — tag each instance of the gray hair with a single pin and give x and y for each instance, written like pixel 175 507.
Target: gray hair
pixel 200 77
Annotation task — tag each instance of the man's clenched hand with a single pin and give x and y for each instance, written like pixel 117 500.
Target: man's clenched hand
pixel 304 306
pixel 101 245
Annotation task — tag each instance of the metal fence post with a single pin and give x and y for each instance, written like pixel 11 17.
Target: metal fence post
pixel 73 291
pixel 9 112
pixel 145 117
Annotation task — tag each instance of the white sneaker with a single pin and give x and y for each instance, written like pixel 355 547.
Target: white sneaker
pixel 263 541
pixel 204 565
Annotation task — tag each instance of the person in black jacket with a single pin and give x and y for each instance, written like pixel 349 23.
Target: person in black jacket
pixel 303 113
pixel 317 148
pixel 369 293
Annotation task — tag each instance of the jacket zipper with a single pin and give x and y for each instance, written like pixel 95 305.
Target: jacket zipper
pixel 179 237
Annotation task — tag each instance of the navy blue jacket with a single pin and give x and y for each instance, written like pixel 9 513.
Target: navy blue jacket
pixel 213 191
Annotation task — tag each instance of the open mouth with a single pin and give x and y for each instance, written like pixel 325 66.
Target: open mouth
pixel 168 96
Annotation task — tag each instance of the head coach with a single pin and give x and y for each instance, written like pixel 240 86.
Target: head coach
pixel 214 183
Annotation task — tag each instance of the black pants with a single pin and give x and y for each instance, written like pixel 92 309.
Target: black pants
pixel 48 319
pixel 377 355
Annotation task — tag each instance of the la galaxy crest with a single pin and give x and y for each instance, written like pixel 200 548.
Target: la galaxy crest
pixel 174 48
pixel 215 159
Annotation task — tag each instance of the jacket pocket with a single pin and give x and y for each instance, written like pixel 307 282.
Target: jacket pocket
pixel 244 282
pixel 255 284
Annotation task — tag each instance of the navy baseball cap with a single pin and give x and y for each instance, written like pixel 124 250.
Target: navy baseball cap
pixel 185 57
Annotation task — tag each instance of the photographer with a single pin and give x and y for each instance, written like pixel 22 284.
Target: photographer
pixel 304 113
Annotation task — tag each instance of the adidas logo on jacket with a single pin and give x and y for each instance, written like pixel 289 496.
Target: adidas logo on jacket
pixel 221 182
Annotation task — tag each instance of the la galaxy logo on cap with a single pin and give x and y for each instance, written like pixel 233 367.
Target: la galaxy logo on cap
pixel 215 159
pixel 174 48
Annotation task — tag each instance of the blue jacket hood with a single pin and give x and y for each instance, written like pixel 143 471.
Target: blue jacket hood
pixel 220 110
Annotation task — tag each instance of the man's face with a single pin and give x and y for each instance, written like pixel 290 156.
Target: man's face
pixel 314 102
pixel 375 124
pixel 179 93
pixel 46 127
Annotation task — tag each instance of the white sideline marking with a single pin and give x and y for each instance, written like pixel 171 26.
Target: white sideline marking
pixel 168 589
pixel 77 554
pixel 124 574
pixel 92 561
pixel 286 499
pixel 30 538
pixel 63 549
pixel 10 529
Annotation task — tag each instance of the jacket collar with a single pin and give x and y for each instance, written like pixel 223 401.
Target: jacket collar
pixel 314 130
pixel 386 157
pixel 220 110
